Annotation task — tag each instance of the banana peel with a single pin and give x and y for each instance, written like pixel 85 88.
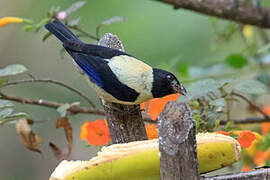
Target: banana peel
pixel 140 160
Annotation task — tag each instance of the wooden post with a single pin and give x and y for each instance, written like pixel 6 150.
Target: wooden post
pixel 177 143
pixel 125 121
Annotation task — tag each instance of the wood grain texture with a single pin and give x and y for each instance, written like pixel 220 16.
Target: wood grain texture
pixel 177 143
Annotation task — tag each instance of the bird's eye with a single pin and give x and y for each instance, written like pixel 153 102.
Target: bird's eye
pixel 169 77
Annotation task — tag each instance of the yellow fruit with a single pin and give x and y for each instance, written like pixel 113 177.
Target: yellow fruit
pixel 140 160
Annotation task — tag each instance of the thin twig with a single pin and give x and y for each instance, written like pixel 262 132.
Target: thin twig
pixel 146 118
pixel 246 120
pixel 84 33
pixel 55 105
pixel 85 110
pixel 251 104
pixel 49 81
pixel 51 104
pixel 228 109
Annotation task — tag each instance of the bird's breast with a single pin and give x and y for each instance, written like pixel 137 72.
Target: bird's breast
pixel 133 73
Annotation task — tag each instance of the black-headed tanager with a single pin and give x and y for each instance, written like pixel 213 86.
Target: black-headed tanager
pixel 115 75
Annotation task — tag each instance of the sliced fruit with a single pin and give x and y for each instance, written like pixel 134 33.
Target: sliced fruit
pixel 140 160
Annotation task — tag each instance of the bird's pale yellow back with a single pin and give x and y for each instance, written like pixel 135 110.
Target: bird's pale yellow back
pixel 133 73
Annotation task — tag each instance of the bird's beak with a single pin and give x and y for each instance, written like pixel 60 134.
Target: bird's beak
pixel 179 88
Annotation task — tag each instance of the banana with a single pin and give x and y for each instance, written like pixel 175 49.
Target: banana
pixel 140 160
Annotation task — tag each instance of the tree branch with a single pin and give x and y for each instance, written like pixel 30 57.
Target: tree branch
pixel 238 11
pixel 85 110
pixel 250 103
pixel 84 33
pixel 51 104
pixel 247 120
pixel 55 105
pixel 52 82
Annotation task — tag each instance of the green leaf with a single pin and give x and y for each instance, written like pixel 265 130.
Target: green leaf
pixel 263 77
pixel 218 102
pixel 12 117
pixel 12 70
pixel 251 87
pixel 202 88
pixel 236 60
pixel 199 121
pixel 6 112
pixel 213 71
pixel 62 52
pixel 75 6
pixel 2 81
pixel 41 24
pixel 27 21
pixel 17 115
pixel 27 28
pixel 6 104
pixel 265 143
pixel 229 126
pixel 184 70
pixel 63 109
pixel 46 36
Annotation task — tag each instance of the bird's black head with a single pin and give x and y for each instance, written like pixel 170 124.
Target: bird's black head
pixel 165 83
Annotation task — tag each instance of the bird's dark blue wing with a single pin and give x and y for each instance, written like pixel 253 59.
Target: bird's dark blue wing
pixel 101 74
pixel 89 68
pixel 91 59
pixel 92 49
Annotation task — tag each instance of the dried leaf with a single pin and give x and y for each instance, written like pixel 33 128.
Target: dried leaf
pixel 29 139
pixel 46 36
pixel 65 123
pixel 58 153
pixel 30 121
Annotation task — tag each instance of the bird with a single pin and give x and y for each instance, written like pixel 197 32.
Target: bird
pixel 116 76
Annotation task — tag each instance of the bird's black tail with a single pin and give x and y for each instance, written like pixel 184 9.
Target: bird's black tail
pixel 61 31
